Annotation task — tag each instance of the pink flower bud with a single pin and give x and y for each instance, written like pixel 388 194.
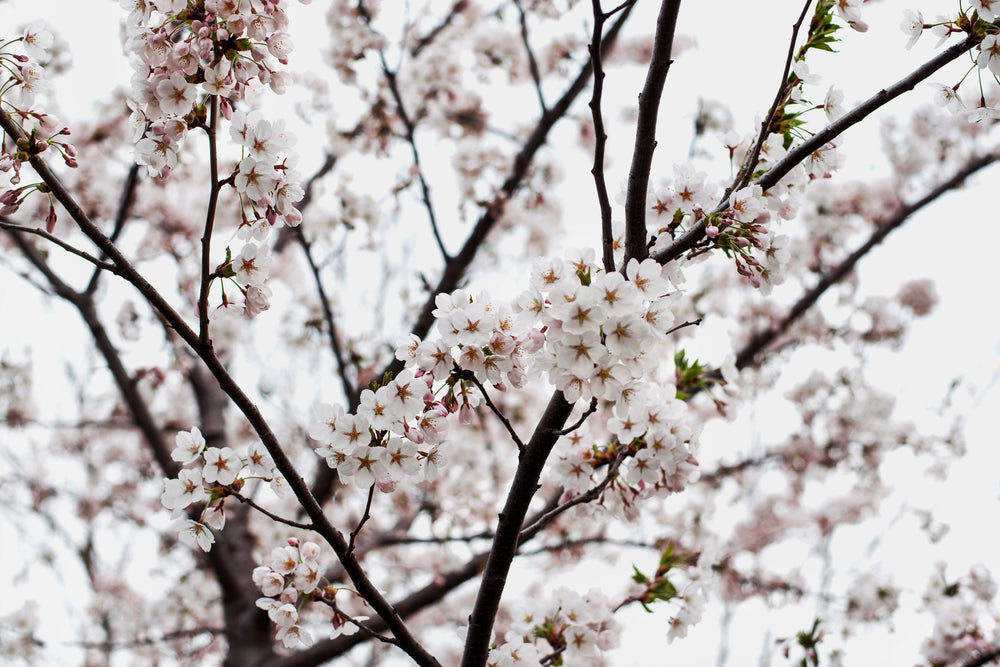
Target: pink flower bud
pixel 293 542
pixel 50 220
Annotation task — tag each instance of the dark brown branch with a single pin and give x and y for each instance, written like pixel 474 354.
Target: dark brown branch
pixel 797 155
pixel 206 239
pixel 645 135
pixel 429 38
pixel 507 537
pixel 984 658
pixel 600 138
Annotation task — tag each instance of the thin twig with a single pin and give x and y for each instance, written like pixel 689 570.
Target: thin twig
pixel 121 216
pixel 471 377
pixel 101 266
pixel 206 239
pixel 591 494
pixel 364 519
pixel 532 62
pixel 753 157
pixel 591 409
pixel 274 517
pixel 410 126
pixel 600 139
pixel 331 327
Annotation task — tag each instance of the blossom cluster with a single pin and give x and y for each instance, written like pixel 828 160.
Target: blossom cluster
pixel 42 131
pixel 958 608
pixel 290 580
pixel 187 55
pixel 575 627
pixel 981 20
pixel 215 473
pixel 381 442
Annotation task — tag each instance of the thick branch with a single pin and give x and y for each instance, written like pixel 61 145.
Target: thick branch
pixel 645 134
pixel 505 542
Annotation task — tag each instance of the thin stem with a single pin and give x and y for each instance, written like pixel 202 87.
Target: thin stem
pixel 600 139
pixel 645 135
pixel 270 515
pixel 591 494
pixel 121 216
pixel 471 377
pixel 753 157
pixel 101 266
pixel 532 62
pixel 364 519
pixel 206 239
pixel 331 327
pixel 591 409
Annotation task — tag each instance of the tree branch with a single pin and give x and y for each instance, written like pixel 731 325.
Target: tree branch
pixel 600 138
pixel 282 462
pixel 645 135
pixel 747 355
pixel 798 154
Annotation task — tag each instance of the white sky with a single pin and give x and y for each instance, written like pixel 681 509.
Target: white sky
pixel 961 341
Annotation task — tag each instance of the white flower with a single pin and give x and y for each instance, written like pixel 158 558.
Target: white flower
pixel 37 40
pixel 189 446
pixel 912 25
pixel 175 94
pixel 181 492
pixel 193 533
pixel 294 636
pixel 221 465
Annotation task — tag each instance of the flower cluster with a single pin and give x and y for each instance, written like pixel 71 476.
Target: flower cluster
pixel 287 581
pixel 42 131
pixel 218 472
pixel 959 608
pixel 380 443
pixel 187 53
pixel 290 580
pixel 573 627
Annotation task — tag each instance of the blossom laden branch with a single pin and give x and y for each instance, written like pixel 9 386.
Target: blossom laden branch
pixel 800 153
